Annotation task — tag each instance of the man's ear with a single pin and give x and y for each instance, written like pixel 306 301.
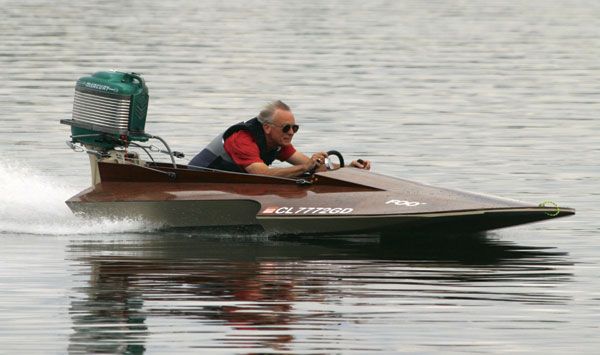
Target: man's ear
pixel 267 128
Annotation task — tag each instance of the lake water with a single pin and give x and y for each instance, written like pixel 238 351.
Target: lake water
pixel 500 97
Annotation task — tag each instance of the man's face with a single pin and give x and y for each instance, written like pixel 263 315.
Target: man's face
pixel 275 133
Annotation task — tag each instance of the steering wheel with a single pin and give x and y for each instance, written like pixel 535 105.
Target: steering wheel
pixel 329 163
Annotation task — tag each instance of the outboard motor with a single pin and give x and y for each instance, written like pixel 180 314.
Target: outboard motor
pixel 109 110
pixel 109 115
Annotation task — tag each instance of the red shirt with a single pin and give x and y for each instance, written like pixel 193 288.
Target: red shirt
pixel 242 148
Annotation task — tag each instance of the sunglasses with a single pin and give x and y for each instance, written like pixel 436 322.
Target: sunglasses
pixel 286 128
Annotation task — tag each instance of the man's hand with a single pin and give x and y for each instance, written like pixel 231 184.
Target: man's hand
pixel 316 162
pixel 361 164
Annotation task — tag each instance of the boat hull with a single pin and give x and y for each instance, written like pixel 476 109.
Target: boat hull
pixel 345 201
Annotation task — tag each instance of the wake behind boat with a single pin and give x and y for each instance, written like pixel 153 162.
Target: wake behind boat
pixel 109 115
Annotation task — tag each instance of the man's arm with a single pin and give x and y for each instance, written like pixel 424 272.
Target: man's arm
pixel 301 164
pixel 299 158
pixel 263 169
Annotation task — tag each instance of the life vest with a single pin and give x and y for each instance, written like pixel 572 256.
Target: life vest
pixel 215 156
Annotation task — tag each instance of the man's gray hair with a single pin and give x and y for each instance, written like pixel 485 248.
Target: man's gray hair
pixel 266 114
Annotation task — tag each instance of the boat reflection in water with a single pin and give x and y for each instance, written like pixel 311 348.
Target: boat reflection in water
pixel 258 295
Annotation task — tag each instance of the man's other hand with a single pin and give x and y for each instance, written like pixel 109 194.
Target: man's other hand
pixel 361 164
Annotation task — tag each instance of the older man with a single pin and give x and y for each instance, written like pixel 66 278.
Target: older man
pixel 253 145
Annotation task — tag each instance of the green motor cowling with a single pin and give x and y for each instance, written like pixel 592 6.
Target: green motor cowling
pixel 109 110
